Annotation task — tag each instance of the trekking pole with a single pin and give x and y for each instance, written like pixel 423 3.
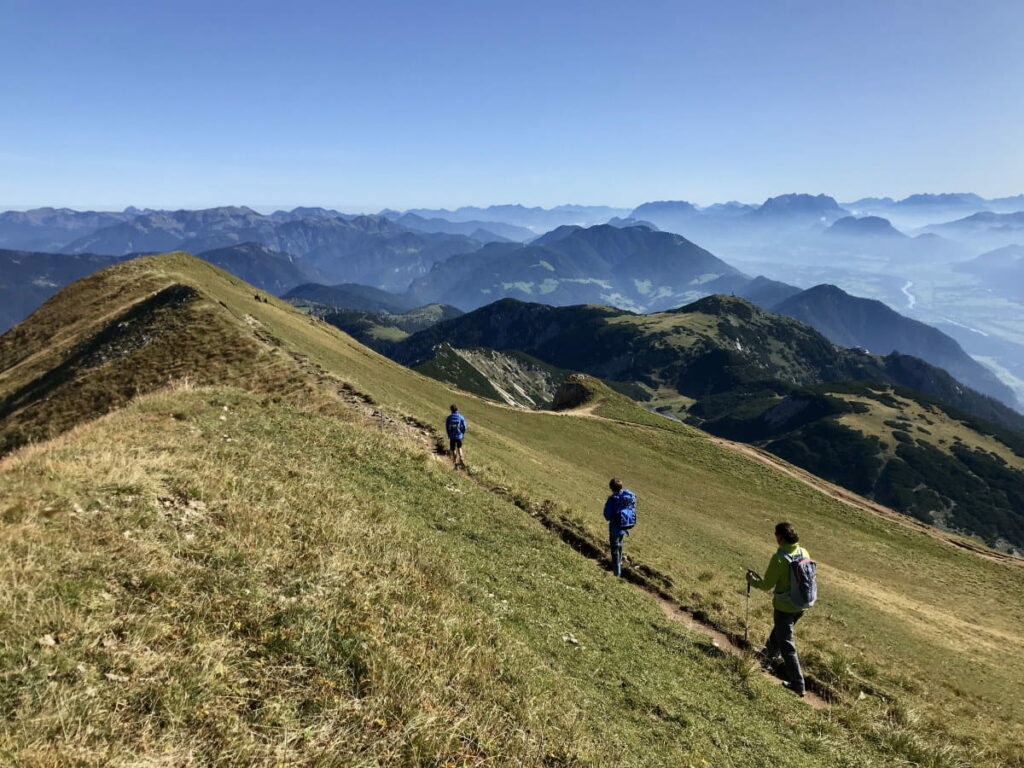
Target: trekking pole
pixel 746 620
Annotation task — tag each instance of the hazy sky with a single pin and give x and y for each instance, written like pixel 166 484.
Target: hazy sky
pixel 361 105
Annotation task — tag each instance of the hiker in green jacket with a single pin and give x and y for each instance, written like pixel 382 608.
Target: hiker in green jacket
pixel 786 614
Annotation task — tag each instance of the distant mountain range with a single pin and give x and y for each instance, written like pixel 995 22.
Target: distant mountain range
pixel 632 267
pixel 850 321
pixel 53 229
pixel 795 209
pixel 484 231
pixel 786 212
pixel 629 266
pixel 539 220
pixel 366 249
pixel 923 209
pixel 994 229
pixel 818 211
pixel 50 229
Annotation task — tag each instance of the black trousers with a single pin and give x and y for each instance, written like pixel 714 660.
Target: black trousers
pixel 780 641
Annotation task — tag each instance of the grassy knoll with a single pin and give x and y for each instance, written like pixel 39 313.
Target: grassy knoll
pixel 931 635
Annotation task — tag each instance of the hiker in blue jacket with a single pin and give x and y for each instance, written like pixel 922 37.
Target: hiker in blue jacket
pixel 456 428
pixel 620 512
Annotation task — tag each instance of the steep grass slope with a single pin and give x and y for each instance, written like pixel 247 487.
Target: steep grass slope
pixel 398 648
pixel 210 577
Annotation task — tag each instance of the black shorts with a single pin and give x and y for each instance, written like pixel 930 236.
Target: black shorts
pixel 455 443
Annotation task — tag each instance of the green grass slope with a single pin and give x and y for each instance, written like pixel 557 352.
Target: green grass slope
pixel 210 577
pixel 293 586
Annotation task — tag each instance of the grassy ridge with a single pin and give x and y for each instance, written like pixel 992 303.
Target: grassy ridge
pixel 931 634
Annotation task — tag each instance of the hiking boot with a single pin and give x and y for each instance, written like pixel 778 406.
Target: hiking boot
pixel 791 687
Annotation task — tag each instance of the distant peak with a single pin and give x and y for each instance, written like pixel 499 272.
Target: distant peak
pixel 799 203
pixel 941 198
pixel 721 305
pixel 825 289
pixel 864 226
pixel 558 233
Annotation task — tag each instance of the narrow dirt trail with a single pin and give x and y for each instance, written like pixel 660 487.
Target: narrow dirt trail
pixel 722 641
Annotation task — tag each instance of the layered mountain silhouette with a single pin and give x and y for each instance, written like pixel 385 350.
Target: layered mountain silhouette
pixel 671 215
pixel 864 227
pixel 50 229
pixel 785 213
pixel 484 231
pixel 798 209
pixel 921 209
pixel 366 249
pixel 986 227
pixel 536 219
pixel 631 267
pixel 850 321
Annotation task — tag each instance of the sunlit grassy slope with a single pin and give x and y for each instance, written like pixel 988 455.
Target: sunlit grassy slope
pixel 336 598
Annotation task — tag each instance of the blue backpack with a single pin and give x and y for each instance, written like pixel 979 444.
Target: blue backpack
pixel 627 509
pixel 455 426
pixel 803 579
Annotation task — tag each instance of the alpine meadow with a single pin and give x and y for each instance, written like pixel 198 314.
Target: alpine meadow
pixel 511 384
pixel 183 581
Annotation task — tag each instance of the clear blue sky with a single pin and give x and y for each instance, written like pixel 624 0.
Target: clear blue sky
pixel 361 105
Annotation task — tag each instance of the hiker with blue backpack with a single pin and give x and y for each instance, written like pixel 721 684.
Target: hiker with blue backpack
pixel 455 426
pixel 791 577
pixel 620 512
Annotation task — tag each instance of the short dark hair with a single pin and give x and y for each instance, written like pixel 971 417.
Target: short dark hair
pixel 454 408
pixel 787 533
pixel 615 485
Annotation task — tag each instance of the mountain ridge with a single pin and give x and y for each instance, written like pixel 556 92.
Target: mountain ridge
pixel 850 321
